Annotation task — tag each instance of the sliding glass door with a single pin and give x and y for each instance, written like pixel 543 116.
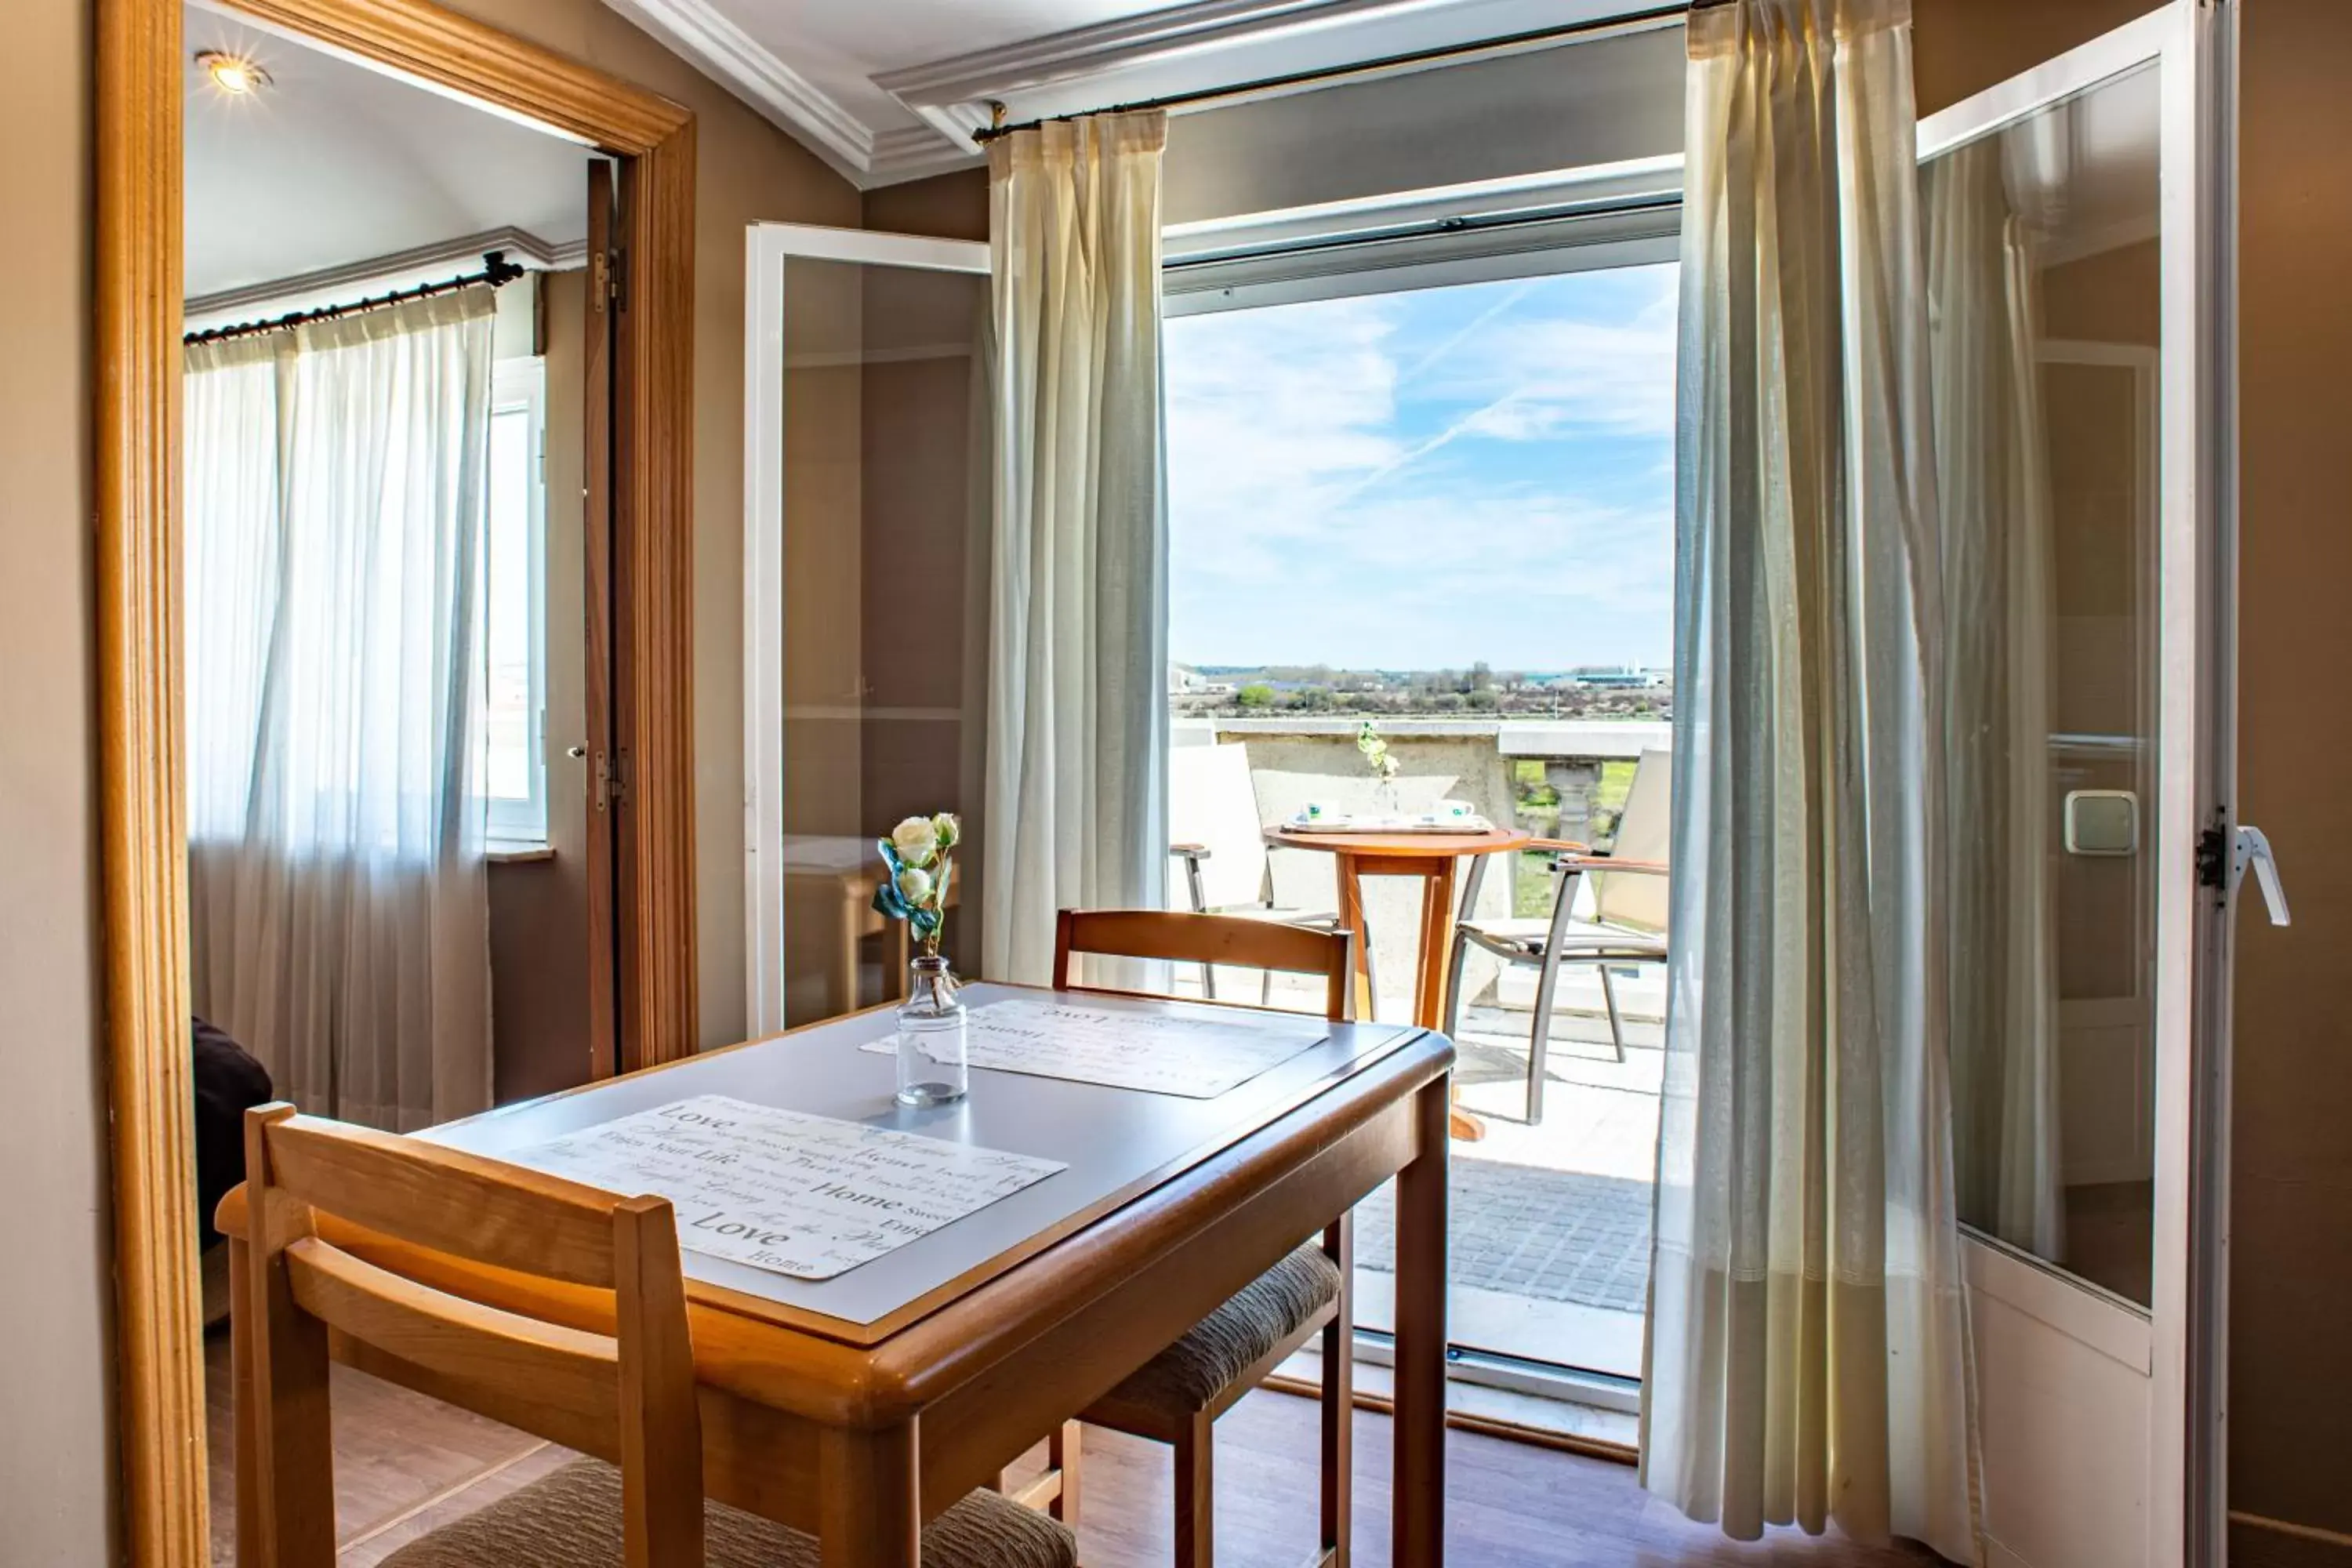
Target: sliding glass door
pixel 1423 482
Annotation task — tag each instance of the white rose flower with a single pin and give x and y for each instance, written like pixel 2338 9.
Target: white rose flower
pixel 916 840
pixel 949 829
pixel 914 885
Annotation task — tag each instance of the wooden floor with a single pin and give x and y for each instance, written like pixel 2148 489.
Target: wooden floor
pixel 404 1464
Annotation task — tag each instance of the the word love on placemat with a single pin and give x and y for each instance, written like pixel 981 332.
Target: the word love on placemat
pixel 783 1190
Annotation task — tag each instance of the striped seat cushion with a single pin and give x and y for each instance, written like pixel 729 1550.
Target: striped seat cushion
pixel 573 1519
pixel 1189 1374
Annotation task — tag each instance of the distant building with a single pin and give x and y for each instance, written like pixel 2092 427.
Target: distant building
pixel 1617 677
pixel 1184 680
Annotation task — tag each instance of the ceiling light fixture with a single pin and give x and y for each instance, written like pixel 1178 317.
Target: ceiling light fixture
pixel 233 74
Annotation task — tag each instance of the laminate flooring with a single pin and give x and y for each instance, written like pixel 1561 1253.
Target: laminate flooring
pixel 404 1464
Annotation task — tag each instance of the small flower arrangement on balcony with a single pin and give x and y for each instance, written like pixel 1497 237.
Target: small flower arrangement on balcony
pixel 1382 765
pixel 921 854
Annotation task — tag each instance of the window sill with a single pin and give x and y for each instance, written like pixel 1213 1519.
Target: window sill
pixel 518 854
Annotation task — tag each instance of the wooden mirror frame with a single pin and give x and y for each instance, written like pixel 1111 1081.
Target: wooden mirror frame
pixel 159 1368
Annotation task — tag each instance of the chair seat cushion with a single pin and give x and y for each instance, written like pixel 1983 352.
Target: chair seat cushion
pixel 1189 1374
pixel 1276 915
pixel 1584 937
pixel 572 1519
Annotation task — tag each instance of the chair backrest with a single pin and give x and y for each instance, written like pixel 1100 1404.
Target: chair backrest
pixel 1212 802
pixel 1644 832
pixel 628 1397
pixel 1213 940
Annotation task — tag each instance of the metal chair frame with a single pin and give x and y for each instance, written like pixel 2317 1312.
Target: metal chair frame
pixel 1560 947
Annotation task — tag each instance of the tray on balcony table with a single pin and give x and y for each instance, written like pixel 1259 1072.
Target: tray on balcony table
pixel 1425 822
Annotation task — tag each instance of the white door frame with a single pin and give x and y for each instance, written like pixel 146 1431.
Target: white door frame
pixel 2191 43
pixel 767 248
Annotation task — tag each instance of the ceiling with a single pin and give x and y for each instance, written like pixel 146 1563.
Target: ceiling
pixel 334 164
pixel 891 89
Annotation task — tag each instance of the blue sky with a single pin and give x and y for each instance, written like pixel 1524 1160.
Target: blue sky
pixel 1422 479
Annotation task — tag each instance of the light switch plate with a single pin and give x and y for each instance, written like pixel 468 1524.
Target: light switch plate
pixel 2102 822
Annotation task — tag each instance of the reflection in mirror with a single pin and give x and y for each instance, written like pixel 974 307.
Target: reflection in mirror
pixel 886 475
pixel 2042 256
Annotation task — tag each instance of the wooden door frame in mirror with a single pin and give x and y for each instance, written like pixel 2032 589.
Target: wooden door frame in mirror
pixel 143 809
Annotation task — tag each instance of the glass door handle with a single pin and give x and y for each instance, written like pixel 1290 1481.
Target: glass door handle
pixel 2253 853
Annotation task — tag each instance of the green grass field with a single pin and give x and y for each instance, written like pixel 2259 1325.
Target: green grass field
pixel 1536 805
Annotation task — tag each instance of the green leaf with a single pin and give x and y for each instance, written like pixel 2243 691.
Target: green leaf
pixel 888 901
pixel 926 923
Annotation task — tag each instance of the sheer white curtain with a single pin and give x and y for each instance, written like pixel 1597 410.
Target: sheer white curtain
pixel 336 509
pixel 1992 469
pixel 1079 637
pixel 1807 1353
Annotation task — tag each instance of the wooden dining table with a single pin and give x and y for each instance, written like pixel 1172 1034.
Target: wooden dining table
pixel 1432 859
pixel 858 1406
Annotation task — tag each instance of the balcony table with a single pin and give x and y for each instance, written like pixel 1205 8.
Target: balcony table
pixel 1432 858
pixel 857 1407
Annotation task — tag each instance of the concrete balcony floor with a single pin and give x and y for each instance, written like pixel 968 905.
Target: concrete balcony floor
pixel 1550 1222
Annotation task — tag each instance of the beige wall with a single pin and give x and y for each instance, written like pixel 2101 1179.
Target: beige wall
pixel 56 1454
pixel 2291 1245
pixel 945 206
pixel 749 170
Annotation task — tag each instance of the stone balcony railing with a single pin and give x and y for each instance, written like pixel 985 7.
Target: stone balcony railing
pixel 1296 760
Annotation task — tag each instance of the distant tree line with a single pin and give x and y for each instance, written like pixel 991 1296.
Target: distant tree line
pixel 1276 691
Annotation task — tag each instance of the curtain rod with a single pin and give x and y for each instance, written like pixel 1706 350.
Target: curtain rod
pixel 1635 22
pixel 497 271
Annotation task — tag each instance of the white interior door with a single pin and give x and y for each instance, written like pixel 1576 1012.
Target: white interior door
pixel 865 509
pixel 2079 226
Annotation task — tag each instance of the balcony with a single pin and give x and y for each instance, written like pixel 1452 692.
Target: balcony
pixel 1551 1220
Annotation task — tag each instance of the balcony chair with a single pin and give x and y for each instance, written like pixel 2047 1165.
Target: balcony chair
pixel 629 1391
pixel 1176 1397
pixel 1216 831
pixel 1628 923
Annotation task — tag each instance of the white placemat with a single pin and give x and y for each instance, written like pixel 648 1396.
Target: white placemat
pixel 1193 1056
pixel 782 1190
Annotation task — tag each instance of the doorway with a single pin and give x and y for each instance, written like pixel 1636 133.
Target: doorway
pixel 1422 513
pixel 143 809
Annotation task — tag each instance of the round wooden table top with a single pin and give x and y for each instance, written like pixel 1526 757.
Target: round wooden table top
pixel 1404 845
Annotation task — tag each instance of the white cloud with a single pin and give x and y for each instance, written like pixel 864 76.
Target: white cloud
pixel 1445 479
pixel 1537 377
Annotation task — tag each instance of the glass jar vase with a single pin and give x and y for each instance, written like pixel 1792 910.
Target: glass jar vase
pixel 933 1065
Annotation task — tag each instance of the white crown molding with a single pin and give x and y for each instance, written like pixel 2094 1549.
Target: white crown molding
pixel 948 96
pixel 782 93
pixel 520 245
pixel 1120 45
pixel 956 121
pixel 912 152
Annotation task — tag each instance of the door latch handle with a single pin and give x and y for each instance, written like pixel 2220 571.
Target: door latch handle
pixel 2252 852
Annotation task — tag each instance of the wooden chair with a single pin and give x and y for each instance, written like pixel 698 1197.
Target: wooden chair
pixel 1177 1396
pixel 628 1398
